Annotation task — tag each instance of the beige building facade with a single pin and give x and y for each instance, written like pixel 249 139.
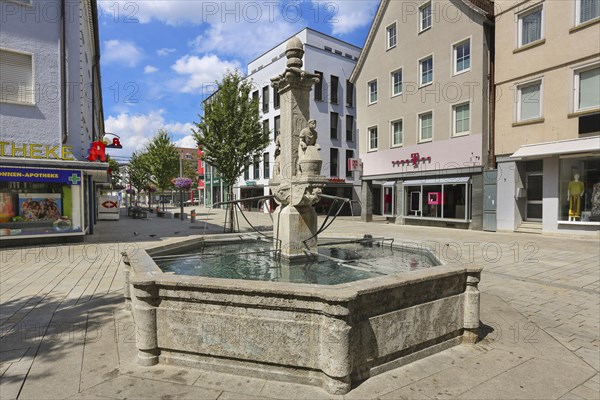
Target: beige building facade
pixel 423 84
pixel 547 118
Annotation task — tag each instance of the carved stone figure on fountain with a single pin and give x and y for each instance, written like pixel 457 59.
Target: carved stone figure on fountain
pixel 309 160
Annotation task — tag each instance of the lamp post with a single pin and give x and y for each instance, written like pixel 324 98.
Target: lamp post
pixel 181 189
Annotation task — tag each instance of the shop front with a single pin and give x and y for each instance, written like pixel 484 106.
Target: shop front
pixel 47 199
pixel 249 190
pixel 555 185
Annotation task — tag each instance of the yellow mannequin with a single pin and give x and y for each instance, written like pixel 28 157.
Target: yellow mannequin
pixel 575 190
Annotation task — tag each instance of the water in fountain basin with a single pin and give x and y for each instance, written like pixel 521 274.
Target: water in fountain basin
pixel 337 263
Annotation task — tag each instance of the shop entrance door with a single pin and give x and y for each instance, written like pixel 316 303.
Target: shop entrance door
pixel 535 189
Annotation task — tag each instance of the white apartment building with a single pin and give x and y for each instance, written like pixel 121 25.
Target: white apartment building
pixel 50 113
pixel 332 105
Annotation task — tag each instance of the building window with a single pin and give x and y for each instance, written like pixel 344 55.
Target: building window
pixel 247 173
pixel 266 129
pixel 255 95
pixel 256 167
pixel 333 121
pixel 334 89
pixel 426 127
pixel 349 128
pixel 529 105
pixel 530 26
pixel 16 77
pixel 587 88
pixel 265 99
pixel 397 132
pixel 396 82
pixel 333 161
pixel 461 117
pixel 372 138
pixel 349 155
pixel 266 166
pixel 426 70
pixel 425 13
pixel 277 127
pixel 349 94
pixel 391 36
pixel 462 57
pixel 276 98
pixel 372 88
pixel 319 86
pixel 435 199
pixel 579 189
pixel 587 10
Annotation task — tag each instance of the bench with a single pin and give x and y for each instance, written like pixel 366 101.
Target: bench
pixel 137 212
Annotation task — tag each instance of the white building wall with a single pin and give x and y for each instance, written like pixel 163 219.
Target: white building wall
pixel 316 58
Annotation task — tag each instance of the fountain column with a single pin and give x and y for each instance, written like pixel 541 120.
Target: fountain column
pixel 145 301
pixel 297 179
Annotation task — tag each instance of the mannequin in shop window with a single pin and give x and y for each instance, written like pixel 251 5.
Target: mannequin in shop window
pixel 574 193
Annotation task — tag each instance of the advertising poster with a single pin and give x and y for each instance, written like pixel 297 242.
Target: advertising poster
pixel 40 206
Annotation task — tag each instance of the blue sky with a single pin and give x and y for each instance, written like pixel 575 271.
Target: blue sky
pixel 159 59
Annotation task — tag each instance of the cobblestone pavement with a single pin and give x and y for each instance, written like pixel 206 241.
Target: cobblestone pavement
pixel 64 332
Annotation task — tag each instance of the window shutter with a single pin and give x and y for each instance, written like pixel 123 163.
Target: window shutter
pixel 16 77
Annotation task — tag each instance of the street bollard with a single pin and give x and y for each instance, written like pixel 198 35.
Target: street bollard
pixel 193 216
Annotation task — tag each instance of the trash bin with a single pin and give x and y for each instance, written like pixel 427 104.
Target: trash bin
pixel 193 216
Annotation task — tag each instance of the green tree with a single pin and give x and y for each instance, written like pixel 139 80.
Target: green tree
pixel 230 132
pixel 138 171
pixel 162 160
pixel 115 174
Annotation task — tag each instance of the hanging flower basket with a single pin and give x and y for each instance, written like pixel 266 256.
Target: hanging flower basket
pixel 130 191
pixel 182 183
pixel 150 189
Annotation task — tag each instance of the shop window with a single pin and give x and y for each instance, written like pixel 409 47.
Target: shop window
pixel 35 208
pixel 579 189
pixel 436 199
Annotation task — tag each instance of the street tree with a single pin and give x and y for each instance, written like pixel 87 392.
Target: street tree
pixel 138 171
pixel 230 132
pixel 162 160
pixel 115 173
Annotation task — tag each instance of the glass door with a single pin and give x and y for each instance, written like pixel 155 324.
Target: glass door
pixel 535 189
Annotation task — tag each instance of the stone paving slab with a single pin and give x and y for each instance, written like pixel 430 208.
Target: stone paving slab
pixel 64 331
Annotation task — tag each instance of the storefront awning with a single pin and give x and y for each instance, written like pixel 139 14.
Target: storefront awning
pixel 438 181
pixel 572 146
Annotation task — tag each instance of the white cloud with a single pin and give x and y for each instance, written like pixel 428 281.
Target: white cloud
pixel 350 14
pixel 201 72
pixel 234 39
pixel 165 51
pixel 121 52
pixel 150 69
pixel 187 142
pixel 136 130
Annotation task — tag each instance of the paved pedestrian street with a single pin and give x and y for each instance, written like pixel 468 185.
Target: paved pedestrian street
pixel 66 334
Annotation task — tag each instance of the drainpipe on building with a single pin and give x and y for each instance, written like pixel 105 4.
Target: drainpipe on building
pixel 63 71
pixel 492 120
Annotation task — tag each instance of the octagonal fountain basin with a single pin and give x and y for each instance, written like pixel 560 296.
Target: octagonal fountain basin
pixel 225 303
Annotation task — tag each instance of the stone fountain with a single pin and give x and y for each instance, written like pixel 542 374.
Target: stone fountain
pixel 297 180
pixel 271 325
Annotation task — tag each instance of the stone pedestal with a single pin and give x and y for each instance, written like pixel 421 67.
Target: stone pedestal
pixel 292 227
